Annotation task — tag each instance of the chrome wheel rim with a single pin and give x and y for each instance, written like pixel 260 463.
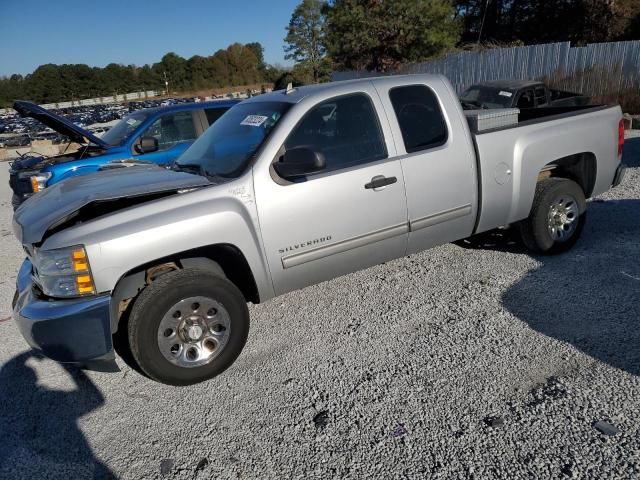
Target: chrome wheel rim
pixel 194 331
pixel 562 219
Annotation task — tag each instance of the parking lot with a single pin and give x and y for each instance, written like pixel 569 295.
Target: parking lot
pixel 460 362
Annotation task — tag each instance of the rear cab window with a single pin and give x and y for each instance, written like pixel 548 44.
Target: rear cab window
pixel 346 130
pixel 419 116
pixel 541 96
pixel 526 99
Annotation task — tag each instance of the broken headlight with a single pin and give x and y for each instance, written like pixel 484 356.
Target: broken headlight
pixel 63 272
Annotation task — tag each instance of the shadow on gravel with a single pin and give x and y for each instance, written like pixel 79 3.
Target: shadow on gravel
pixel 39 434
pixel 631 157
pixel 590 296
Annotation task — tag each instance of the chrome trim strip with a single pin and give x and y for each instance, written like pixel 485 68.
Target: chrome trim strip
pixel 317 253
pixel 440 217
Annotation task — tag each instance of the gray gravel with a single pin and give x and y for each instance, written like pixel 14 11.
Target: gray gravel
pixel 454 363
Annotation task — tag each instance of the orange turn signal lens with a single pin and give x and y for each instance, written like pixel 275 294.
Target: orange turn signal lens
pixel 79 258
pixel 84 283
pixel 35 186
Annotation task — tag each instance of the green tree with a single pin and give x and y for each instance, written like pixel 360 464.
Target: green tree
pixel 199 73
pixel 258 51
pixel 176 70
pixel 234 66
pixel 305 42
pixel 380 35
pixel 541 21
pixel 149 79
pixel 242 64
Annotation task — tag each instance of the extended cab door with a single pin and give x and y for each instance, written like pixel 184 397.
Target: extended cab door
pixel 437 158
pixel 347 217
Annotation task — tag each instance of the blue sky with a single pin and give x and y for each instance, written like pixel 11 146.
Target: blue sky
pixel 99 32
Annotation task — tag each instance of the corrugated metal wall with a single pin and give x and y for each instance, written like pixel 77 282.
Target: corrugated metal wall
pixel 596 69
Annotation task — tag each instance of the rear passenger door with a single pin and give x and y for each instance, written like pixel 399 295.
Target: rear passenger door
pixel 175 132
pixel 438 162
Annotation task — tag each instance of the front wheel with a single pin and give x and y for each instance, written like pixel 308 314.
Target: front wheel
pixel 557 217
pixel 188 326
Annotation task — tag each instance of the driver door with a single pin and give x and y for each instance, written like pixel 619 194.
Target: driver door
pixel 174 133
pixel 334 221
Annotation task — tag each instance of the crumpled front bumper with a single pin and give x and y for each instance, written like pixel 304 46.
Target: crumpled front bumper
pixel 74 330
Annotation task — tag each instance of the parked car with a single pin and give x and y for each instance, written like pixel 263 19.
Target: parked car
pixel 158 135
pixel 22 140
pixel 286 190
pixel 518 94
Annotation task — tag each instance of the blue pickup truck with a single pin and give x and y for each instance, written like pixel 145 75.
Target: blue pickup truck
pixel 156 135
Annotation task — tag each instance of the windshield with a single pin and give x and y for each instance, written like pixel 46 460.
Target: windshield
pixel 226 147
pixel 124 128
pixel 486 97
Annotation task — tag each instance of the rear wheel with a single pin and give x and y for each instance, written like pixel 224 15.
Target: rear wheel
pixel 188 326
pixel 557 217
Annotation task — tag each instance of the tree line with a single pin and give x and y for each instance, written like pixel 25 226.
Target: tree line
pixel 324 35
pixel 236 65
pixel 380 35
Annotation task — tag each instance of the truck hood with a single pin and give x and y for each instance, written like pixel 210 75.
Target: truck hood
pixel 57 123
pixel 86 197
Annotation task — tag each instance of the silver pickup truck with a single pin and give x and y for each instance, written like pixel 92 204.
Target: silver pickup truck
pixel 286 190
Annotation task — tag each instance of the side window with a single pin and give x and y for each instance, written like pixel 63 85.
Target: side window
pixel 541 96
pixel 526 99
pixel 345 130
pixel 419 116
pixel 214 114
pixel 171 129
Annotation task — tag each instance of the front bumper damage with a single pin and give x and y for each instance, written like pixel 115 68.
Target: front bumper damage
pixel 74 330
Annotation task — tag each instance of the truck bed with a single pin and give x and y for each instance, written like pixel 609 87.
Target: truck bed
pixel 510 158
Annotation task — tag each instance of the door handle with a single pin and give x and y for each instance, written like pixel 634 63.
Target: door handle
pixel 379 182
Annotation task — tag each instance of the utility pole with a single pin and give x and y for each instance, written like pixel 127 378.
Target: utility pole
pixel 166 83
pixel 484 16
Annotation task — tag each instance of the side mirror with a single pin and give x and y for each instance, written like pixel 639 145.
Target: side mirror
pixel 147 145
pixel 300 161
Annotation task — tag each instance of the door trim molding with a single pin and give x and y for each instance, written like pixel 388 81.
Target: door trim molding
pixel 440 217
pixel 341 246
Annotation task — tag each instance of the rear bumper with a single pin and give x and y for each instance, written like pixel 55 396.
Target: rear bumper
pixel 619 176
pixel 74 330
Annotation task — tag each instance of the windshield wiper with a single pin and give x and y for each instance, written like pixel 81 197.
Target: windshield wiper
pixel 215 177
pixel 189 168
pixel 200 170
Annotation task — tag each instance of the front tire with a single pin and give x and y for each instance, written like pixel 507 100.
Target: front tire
pixel 557 217
pixel 188 326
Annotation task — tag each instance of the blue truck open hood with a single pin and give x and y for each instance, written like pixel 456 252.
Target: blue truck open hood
pixel 100 193
pixel 60 124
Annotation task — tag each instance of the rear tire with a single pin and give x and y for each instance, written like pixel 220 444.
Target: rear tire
pixel 557 217
pixel 188 326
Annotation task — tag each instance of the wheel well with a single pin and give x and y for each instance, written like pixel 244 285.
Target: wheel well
pixel 580 167
pixel 220 258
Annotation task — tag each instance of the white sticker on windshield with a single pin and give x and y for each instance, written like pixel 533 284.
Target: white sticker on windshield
pixel 506 94
pixel 253 120
pixel 131 121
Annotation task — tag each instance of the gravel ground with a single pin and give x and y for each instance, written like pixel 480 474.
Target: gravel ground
pixel 454 363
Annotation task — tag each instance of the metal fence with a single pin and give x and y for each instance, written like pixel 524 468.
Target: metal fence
pixel 595 69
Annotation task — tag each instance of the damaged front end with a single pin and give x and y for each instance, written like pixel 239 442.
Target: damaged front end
pixel 57 307
pixel 86 197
